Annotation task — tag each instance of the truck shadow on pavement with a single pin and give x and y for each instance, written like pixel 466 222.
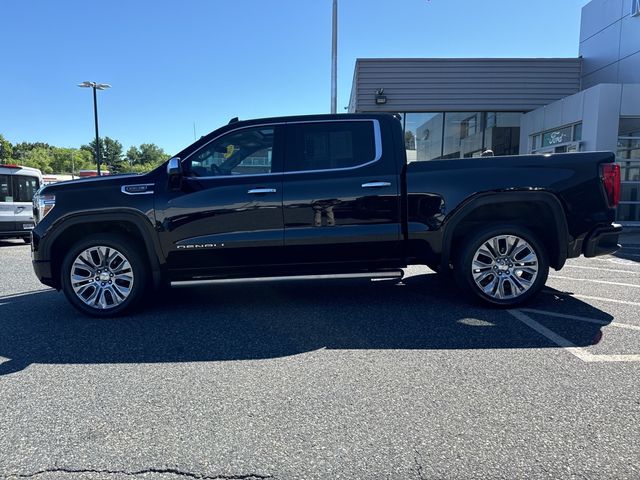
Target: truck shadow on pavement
pixel 249 321
pixel 6 243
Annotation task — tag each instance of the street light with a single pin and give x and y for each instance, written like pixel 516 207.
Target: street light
pixel 96 86
pixel 334 57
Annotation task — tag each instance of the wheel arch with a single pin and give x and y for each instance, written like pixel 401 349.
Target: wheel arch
pixel 539 211
pixel 133 224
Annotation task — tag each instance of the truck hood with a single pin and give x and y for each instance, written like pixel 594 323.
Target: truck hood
pixel 89 182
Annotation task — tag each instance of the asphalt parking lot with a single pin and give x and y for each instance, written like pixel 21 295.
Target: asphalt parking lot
pixel 325 379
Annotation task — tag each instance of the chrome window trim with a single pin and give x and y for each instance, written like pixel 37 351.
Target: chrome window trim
pixel 146 192
pixel 377 135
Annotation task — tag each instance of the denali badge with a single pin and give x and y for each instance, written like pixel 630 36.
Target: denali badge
pixel 200 245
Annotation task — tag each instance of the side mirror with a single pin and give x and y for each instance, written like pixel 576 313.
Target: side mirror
pixel 174 172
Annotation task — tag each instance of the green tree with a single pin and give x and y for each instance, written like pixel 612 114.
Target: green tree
pixel 409 140
pixel 71 160
pixel 6 150
pixel 145 158
pixel 152 154
pixel 21 150
pixel 110 153
pixel 133 155
pixel 40 158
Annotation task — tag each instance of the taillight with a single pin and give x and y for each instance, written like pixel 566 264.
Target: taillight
pixel 611 183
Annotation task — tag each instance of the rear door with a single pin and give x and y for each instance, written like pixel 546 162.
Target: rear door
pixel 341 201
pixel 24 188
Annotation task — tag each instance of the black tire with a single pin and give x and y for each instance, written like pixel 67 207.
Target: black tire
pixel 27 240
pixel 512 281
pixel 139 271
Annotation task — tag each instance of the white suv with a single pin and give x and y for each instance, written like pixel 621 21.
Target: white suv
pixel 17 187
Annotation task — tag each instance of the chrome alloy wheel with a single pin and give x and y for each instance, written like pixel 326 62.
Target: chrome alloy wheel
pixel 505 267
pixel 101 277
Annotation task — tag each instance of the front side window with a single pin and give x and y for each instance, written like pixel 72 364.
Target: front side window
pixel 24 188
pixel 5 189
pixel 330 145
pixel 243 152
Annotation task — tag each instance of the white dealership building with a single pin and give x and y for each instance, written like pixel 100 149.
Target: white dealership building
pixel 454 108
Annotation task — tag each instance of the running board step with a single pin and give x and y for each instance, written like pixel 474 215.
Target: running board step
pixel 211 281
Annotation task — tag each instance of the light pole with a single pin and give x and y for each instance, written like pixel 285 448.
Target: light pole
pixel 96 86
pixel 334 57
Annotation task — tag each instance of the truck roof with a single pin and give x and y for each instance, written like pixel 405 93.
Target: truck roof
pixel 12 169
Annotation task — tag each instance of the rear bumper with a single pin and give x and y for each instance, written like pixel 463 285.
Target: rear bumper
pixel 602 240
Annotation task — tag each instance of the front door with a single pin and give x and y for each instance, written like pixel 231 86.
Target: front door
pixel 341 199
pixel 228 213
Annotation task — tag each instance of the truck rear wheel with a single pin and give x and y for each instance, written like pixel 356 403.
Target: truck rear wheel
pixel 103 275
pixel 502 265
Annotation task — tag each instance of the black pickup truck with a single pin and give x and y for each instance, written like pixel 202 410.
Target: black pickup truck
pixel 322 195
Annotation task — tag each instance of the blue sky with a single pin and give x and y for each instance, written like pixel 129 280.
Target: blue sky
pixel 176 63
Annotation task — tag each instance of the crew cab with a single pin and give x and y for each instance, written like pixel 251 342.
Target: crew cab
pixel 323 195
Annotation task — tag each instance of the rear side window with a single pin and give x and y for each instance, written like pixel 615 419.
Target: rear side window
pixel 5 189
pixel 24 188
pixel 330 145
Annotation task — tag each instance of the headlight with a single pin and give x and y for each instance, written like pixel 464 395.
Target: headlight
pixel 42 204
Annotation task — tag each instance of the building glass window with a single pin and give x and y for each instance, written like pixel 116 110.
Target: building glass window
pixel 430 136
pixel 558 140
pixel 535 142
pixel 462 137
pixel 502 133
pixel 577 132
pixel 628 156
pixel 555 137
pixel 423 136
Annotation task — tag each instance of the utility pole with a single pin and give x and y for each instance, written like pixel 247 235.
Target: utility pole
pixel 334 58
pixel 96 86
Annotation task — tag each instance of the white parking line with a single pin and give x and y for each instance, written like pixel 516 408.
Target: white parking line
pixel 582 319
pixel 602 269
pixel 18 295
pixel 567 345
pixel 595 281
pixel 588 297
pixel 617 261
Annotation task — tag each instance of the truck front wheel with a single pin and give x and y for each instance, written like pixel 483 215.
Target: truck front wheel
pixel 104 275
pixel 502 265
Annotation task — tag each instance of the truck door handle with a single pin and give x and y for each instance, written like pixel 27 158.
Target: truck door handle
pixel 376 184
pixel 19 209
pixel 256 191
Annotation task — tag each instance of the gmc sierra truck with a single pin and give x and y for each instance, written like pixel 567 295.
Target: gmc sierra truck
pixel 322 195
